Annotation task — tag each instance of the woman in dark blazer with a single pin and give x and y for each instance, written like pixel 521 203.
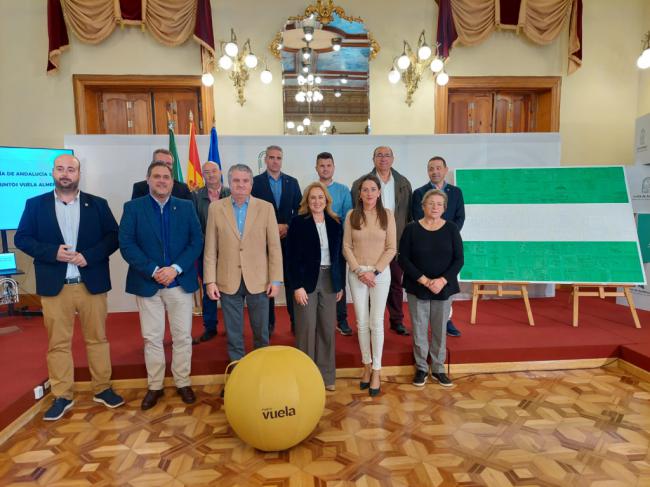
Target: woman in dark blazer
pixel 316 271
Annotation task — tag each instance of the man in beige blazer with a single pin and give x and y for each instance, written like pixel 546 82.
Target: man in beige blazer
pixel 242 260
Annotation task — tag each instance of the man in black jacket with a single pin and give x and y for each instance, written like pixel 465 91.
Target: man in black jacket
pixel 283 192
pixel 179 190
pixel 71 234
pixel 455 212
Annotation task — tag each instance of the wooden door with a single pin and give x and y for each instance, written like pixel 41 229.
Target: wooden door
pixel 126 113
pixel 178 104
pixel 518 104
pixel 514 112
pixel 469 113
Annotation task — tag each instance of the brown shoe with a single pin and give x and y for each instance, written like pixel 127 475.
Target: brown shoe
pixel 151 399
pixel 187 394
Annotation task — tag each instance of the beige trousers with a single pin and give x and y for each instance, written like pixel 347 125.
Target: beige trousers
pixel 59 317
pixel 178 304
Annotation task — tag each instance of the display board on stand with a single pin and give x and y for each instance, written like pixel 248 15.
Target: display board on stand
pixel 571 225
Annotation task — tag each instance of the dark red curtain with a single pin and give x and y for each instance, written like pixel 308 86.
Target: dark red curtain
pixel 203 29
pixel 131 9
pixel 446 35
pixel 57 34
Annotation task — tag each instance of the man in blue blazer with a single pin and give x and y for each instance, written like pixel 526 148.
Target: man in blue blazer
pixel 160 238
pixel 283 192
pixel 455 212
pixel 70 235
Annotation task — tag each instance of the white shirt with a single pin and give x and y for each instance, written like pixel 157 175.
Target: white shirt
pixel 388 193
pixel 324 244
pixel 68 216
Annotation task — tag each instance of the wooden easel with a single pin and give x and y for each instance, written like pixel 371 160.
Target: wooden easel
pixel 499 291
pixel 602 293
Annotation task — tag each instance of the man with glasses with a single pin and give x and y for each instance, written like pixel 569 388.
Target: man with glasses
pixel 396 195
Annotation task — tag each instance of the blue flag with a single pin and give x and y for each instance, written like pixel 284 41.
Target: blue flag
pixel 213 153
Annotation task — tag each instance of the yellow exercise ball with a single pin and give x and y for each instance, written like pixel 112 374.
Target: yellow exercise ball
pixel 274 398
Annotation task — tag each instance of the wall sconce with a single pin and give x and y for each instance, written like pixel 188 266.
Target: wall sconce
pixel 643 61
pixel 239 61
pixel 410 66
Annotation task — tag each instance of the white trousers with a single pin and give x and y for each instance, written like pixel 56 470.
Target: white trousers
pixel 178 304
pixel 369 306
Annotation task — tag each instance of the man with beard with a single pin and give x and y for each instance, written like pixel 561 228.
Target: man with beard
pixel 160 238
pixel 71 234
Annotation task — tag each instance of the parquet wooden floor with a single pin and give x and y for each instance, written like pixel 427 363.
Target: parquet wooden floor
pixel 569 428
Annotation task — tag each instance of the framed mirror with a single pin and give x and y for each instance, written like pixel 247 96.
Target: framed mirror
pixel 325 55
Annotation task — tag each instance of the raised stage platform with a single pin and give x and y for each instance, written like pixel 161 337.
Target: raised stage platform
pixel 502 334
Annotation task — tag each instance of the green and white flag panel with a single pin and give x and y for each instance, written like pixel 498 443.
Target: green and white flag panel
pixel 563 225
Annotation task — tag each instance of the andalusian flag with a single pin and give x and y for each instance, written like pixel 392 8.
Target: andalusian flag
pixel 564 225
pixel 194 175
pixel 176 167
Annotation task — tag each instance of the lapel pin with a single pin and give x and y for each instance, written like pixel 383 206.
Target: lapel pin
pixel 85 204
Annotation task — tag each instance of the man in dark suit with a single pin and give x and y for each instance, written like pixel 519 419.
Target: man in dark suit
pixel 70 235
pixel 160 238
pixel 179 190
pixel 455 212
pixel 396 195
pixel 283 192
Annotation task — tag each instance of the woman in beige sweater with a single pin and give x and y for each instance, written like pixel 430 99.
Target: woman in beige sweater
pixel 369 244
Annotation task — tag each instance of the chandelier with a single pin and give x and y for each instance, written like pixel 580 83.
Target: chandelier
pixel 309 90
pixel 410 67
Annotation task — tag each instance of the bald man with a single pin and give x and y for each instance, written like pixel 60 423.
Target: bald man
pixel 214 190
pixel 71 234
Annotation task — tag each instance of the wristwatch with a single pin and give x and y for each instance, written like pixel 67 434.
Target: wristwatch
pixel 377 272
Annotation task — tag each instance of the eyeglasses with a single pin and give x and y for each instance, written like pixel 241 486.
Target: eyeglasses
pixel 383 155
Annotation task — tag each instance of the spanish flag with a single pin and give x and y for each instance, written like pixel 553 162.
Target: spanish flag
pixel 194 175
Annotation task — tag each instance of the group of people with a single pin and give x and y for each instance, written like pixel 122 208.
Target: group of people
pixel 248 238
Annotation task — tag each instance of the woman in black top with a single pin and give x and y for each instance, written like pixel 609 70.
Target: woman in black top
pixel 431 255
